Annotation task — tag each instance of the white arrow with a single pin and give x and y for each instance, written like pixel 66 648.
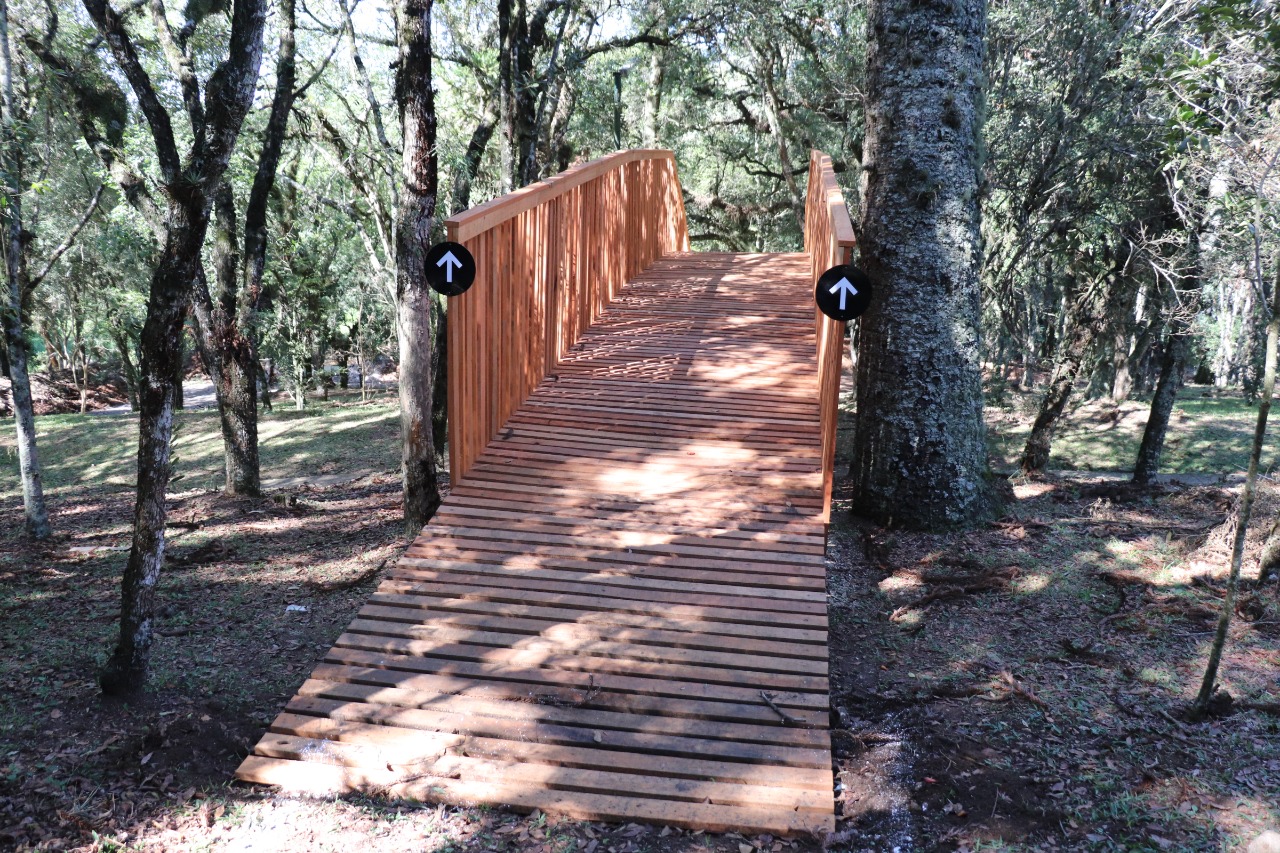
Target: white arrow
pixel 845 288
pixel 453 262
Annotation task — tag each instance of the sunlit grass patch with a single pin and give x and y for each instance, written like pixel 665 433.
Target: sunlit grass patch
pixel 99 450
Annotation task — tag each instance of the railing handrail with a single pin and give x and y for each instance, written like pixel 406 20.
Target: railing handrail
pixel 837 210
pixel 482 217
pixel 549 258
pixel 829 241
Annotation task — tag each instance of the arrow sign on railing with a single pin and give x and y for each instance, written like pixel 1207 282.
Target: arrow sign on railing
pixel 450 268
pixel 843 292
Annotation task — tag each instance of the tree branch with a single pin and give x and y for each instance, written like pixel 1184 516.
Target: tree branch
pixel 69 240
pixel 111 26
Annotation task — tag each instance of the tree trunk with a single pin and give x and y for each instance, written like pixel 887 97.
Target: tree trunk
pixel 1087 320
pixel 121 339
pixel 1175 358
pixel 919 445
pixel 464 177
pixel 414 221
pixel 178 367
pixel 653 97
pixel 1122 378
pixel 1208 686
pixel 35 513
pixel 187 186
pixel 84 383
pixel 126 669
pixel 506 97
pixel 265 376
pixel 773 115
pixel 228 354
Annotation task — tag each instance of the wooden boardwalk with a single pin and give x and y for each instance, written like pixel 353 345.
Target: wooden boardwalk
pixel 620 612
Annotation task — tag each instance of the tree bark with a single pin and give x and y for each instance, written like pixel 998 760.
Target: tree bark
pixel 228 353
pixel 35 514
pixel 1171 368
pixel 919 446
pixel 1208 686
pixel 1087 319
pixel 126 669
pixel 188 187
pixel 465 176
pixel 121 340
pixel 414 220
pixel 653 97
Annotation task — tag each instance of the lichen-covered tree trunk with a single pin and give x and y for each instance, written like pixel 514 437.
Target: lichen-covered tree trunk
pixel 126 669
pixel 919 449
pixel 414 221
pixel 188 187
pixel 15 339
pixel 1171 367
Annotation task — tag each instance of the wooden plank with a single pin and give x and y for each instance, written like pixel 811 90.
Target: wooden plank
pixel 532 675
pixel 320 778
pixel 620 611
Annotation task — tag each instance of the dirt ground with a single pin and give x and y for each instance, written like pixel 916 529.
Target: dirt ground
pixel 1021 686
pixel 1014 687
pixel 58 394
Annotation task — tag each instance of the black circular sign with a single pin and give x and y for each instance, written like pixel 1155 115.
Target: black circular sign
pixel 450 268
pixel 843 292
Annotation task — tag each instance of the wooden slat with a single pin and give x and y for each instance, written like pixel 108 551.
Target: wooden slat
pixel 620 611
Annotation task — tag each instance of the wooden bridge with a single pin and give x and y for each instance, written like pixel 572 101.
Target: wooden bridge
pixel 620 611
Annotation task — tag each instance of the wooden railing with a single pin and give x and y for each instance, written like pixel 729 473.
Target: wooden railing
pixel 549 257
pixel 829 240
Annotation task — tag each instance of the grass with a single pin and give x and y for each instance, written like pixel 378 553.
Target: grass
pixel 1210 433
pixel 334 437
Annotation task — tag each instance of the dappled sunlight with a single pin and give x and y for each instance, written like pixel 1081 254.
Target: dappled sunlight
pixel 622 600
pixel 1027 489
pixel 900 583
pixel 1029 583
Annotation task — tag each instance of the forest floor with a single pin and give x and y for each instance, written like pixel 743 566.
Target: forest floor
pixel 1015 687
pixel 1210 432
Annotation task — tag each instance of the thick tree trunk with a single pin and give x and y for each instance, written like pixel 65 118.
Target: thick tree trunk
pixel 919 447
pixel 15 339
pixel 414 221
pixel 126 669
pixel 1171 368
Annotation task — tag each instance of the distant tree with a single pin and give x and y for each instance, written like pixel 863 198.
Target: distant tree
pixel 919 447
pixel 15 338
